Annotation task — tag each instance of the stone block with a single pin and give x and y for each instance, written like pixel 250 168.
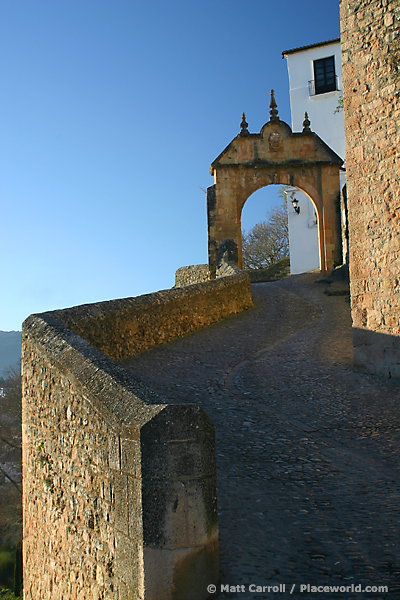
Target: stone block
pixel 130 457
pixel 134 501
pixel 181 574
pixel 178 423
pixel 129 566
pixel 393 369
pixel 119 483
pixel 180 512
pixel 189 458
pixel 114 451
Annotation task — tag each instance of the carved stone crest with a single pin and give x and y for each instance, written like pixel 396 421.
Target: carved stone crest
pixel 275 142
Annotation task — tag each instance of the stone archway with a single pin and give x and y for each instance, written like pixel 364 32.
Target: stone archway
pixel 276 155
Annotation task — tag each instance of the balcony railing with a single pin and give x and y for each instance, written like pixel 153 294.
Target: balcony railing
pixel 312 92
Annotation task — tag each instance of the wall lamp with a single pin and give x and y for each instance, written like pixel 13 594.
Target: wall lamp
pixel 295 203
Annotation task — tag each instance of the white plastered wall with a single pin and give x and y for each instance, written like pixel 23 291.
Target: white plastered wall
pixel 303 233
pixel 320 107
pixel 329 125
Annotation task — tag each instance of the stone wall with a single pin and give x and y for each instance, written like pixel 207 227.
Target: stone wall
pixel 191 274
pixel 119 489
pixel 370 34
pixel 123 328
pixel 200 273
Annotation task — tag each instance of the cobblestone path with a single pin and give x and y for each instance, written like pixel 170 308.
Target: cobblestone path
pixel 308 451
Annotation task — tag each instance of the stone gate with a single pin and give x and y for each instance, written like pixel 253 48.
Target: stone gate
pixel 276 155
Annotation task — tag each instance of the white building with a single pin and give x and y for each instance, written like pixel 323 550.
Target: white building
pixel 315 84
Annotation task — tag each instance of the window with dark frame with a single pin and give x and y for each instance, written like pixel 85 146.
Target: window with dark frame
pixel 324 75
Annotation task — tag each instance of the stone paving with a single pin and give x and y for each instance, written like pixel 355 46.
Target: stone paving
pixel 307 449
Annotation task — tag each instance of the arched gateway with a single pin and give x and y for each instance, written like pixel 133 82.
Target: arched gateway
pixel 275 155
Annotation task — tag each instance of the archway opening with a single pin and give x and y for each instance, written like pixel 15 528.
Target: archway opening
pixel 264 228
pixel 279 221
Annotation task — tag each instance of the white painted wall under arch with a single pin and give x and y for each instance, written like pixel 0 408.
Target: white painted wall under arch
pixel 303 233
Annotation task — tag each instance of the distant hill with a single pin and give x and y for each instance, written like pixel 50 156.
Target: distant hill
pixel 10 350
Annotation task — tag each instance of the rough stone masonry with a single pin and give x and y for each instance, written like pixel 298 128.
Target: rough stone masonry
pixel 119 496
pixel 370 34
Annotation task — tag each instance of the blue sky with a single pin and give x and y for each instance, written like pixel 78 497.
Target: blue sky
pixel 111 114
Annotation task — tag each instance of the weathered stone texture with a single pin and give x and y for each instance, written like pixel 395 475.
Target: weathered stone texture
pixel 200 273
pixel 371 89
pixel 77 470
pixel 119 486
pixel 276 155
pixel 191 274
pixel 123 328
pixel 118 493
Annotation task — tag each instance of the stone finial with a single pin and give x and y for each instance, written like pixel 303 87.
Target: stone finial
pixel 244 126
pixel 273 106
pixel 306 124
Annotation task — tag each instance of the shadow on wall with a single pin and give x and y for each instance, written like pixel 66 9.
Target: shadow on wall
pixel 376 353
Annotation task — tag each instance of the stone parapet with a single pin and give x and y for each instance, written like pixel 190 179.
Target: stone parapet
pixel 201 273
pixel 191 274
pixel 227 269
pixel 119 491
pixel 123 328
pixel 119 494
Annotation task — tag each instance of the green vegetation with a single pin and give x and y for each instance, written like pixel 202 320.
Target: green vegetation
pixel 7 556
pixel 9 595
pixel 10 495
pixel 18 569
pixel 11 572
pixel 339 107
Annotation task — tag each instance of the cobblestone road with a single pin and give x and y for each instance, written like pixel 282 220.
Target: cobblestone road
pixel 307 449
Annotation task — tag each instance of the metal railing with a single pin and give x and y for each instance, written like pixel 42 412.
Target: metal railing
pixel 311 87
